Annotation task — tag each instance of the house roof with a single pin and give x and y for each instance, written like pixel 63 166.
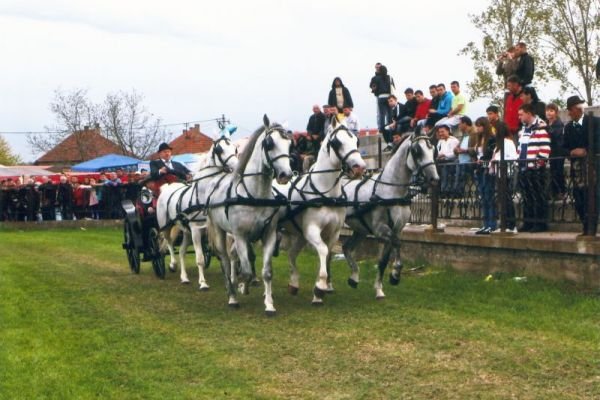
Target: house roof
pixel 190 141
pixel 78 147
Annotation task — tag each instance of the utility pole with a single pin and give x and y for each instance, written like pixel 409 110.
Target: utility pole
pixel 223 122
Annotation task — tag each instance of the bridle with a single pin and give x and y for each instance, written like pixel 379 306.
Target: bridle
pixel 417 153
pixel 218 152
pixel 268 144
pixel 336 144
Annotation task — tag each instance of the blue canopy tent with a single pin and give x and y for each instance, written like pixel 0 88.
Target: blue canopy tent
pixel 107 163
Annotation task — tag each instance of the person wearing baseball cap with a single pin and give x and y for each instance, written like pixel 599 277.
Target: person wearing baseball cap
pixel 577 146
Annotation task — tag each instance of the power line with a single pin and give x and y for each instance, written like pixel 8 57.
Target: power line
pixel 186 124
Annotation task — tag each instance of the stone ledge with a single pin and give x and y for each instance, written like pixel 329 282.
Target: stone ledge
pixel 555 242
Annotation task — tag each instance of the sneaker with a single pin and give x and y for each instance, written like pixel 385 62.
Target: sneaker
pixel 484 231
pixel 514 230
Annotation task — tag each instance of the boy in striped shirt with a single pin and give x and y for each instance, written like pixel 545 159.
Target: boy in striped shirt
pixel 533 150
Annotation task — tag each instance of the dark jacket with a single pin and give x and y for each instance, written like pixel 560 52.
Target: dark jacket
pixel 382 83
pixel 410 108
pixel 577 136
pixel 557 142
pixel 398 111
pixel 525 69
pixel 179 170
pixel 316 123
pixel 332 101
pixel 598 69
pixel 307 146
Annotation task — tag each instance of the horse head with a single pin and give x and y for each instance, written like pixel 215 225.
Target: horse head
pixel 421 157
pixel 342 147
pixel 224 154
pixel 276 144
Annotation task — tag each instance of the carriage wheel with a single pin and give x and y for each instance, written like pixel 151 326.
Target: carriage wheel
pixel 206 251
pixel 133 256
pixel 158 259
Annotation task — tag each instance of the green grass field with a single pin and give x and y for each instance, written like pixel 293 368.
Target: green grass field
pixel 76 324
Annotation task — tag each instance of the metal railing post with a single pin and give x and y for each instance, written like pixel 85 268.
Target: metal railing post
pixel 592 211
pixel 502 183
pixel 379 153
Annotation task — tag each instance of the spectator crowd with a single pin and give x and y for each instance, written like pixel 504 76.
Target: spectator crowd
pixel 522 141
pixel 69 197
pixel 524 134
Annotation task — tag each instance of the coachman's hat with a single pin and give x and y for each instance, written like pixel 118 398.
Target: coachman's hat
pixel 573 101
pixel 164 146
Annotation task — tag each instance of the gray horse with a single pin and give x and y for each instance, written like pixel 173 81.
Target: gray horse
pixel 242 205
pixel 382 206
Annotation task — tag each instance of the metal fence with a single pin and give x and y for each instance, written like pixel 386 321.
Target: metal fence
pixel 461 195
pixel 56 202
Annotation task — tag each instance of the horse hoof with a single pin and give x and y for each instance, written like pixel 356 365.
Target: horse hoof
pixel 320 293
pixel 318 304
pixel 172 269
pixel 352 283
pixel 379 298
pixel 203 288
pixel 185 282
pixel 234 306
pixel 293 290
pixel 255 283
pixel 394 281
pixel 270 313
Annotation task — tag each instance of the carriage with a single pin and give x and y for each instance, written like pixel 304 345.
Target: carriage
pixel 142 239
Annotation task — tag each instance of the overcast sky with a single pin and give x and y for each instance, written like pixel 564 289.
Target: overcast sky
pixel 196 60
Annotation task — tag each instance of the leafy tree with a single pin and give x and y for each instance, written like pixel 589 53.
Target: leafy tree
pixel 6 155
pixel 571 36
pixel 503 24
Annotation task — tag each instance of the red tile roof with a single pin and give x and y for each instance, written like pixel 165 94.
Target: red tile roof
pixel 78 147
pixel 190 141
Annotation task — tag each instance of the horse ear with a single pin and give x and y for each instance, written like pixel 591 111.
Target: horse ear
pixel 266 121
pixel 334 120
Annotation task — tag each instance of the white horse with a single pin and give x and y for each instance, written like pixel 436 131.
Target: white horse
pixel 314 216
pixel 382 206
pixel 242 204
pixel 180 207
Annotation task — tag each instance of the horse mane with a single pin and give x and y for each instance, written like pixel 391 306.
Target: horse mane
pixel 248 150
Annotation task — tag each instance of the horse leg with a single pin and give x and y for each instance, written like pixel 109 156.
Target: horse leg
pixel 173 257
pixel 196 232
pixel 313 236
pixel 381 266
pixel 252 258
pixel 354 268
pixel 297 244
pixel 220 245
pixel 171 236
pixel 397 268
pixel 241 247
pixel 269 243
pixel 183 250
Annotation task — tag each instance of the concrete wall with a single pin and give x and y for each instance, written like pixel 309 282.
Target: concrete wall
pixel 554 256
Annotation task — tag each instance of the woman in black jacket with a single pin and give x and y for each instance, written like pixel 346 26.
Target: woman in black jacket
pixel 339 95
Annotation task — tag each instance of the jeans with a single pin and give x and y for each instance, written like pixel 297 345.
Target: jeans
pixel 460 178
pixel 486 185
pixel 383 113
pixel 447 170
pixel 532 183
